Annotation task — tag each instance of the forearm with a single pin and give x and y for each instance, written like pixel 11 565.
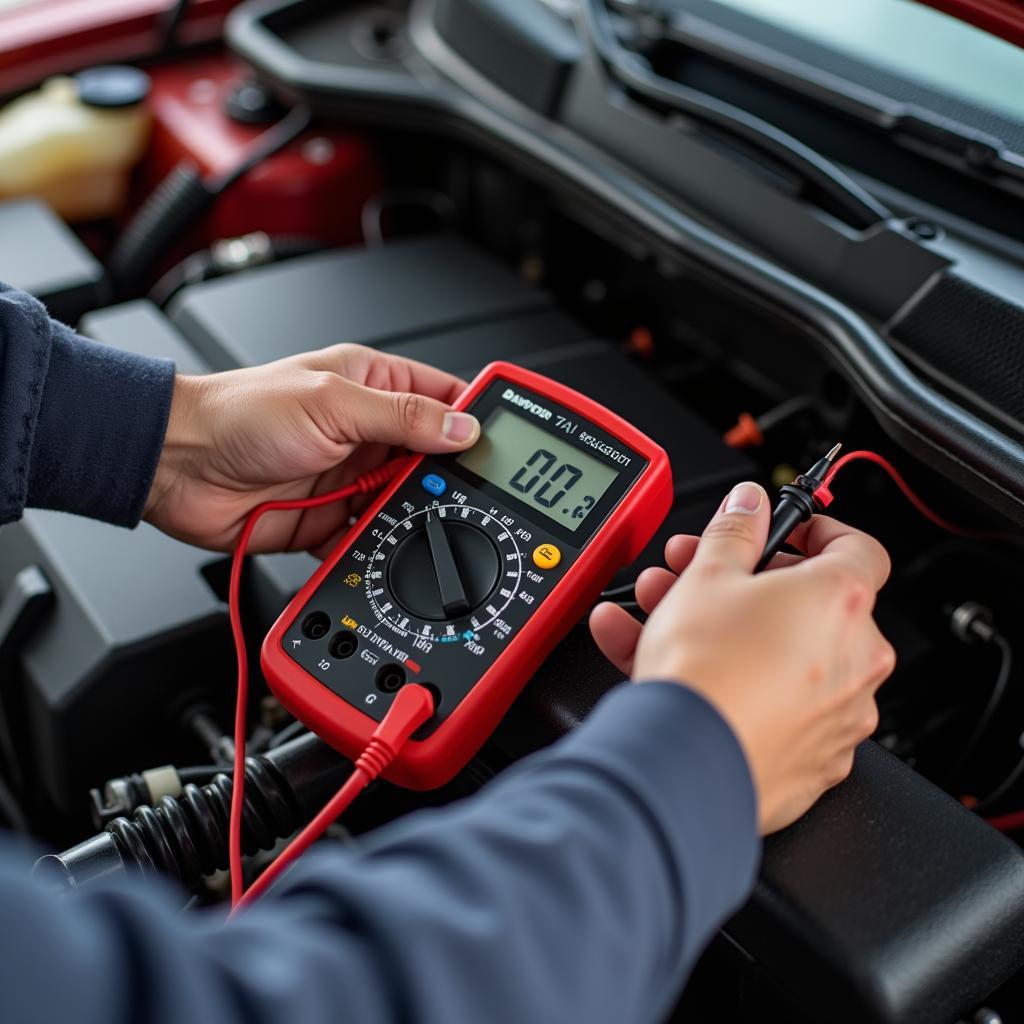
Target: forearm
pixel 580 886
pixel 81 424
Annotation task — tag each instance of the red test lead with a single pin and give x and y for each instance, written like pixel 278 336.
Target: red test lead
pixel 412 708
pixel 366 484
pixel 811 492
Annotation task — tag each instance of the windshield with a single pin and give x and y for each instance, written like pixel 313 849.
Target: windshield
pixel 909 39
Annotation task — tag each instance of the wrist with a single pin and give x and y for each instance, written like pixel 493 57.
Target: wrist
pixel 184 439
pixel 722 698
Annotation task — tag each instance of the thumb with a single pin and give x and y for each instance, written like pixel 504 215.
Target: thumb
pixel 408 420
pixel 736 536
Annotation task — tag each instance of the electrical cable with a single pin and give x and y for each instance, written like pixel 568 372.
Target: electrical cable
pixel 749 431
pixel 1013 820
pixel 365 484
pixel 992 706
pixel 289 732
pixel 229 256
pixel 624 594
pixel 168 24
pixel 824 494
pixel 1006 822
pixel 274 139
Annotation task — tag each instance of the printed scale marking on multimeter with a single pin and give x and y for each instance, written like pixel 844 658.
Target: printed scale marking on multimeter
pixel 466 572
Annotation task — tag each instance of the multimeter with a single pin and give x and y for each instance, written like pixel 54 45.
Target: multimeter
pixel 467 570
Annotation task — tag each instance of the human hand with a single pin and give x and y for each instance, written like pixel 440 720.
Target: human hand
pixel 291 429
pixel 791 657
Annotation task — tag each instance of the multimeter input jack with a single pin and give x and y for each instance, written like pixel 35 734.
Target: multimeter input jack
pixel 343 644
pixel 316 625
pixel 390 677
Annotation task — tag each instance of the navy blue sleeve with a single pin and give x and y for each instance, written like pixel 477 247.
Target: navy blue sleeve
pixel 81 424
pixel 580 886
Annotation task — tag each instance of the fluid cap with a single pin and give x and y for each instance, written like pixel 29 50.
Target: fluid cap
pixel 112 86
pixel 251 102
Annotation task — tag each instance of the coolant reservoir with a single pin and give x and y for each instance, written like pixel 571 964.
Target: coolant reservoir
pixel 74 142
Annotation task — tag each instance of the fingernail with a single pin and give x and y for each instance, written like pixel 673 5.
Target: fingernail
pixel 745 498
pixel 460 427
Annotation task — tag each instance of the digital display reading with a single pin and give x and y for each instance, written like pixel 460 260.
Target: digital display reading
pixel 538 468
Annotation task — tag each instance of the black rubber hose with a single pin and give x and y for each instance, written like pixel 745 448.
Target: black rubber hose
pixel 168 24
pixel 178 201
pixel 186 837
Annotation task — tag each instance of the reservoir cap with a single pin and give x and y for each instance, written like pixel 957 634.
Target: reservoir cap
pixel 112 86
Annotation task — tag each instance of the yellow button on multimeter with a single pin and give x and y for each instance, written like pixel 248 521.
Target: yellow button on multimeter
pixel 546 556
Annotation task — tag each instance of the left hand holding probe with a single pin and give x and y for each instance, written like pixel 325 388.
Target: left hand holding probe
pixel 791 658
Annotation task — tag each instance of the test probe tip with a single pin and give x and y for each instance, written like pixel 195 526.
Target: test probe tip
pixel 835 451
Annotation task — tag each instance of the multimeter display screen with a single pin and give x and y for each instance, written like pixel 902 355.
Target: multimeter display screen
pixel 538 468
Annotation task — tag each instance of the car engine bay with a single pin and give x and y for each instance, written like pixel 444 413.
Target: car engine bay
pixel 457 185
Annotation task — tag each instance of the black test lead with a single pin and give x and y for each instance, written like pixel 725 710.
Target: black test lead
pixel 797 503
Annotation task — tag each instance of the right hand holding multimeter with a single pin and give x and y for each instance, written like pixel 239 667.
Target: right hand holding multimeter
pixel 468 570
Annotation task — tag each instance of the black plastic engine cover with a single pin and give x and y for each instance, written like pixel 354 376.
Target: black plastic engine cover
pixel 887 903
pixel 442 301
pixel 523 46
pixel 41 255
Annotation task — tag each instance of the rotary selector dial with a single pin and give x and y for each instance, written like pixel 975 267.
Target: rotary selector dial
pixel 442 572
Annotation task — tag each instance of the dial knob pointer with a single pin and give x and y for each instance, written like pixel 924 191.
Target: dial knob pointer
pixel 449 583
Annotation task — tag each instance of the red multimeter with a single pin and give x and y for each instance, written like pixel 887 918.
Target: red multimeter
pixel 467 570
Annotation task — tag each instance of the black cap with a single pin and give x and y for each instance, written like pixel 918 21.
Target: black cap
pixel 252 103
pixel 112 86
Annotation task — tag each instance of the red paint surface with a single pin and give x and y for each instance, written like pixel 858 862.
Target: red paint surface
pixel 1004 18
pixel 314 188
pixel 52 37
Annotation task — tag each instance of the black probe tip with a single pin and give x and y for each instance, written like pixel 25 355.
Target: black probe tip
pixel 796 505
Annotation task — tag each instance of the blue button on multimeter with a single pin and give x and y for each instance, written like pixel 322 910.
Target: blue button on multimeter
pixel 434 484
